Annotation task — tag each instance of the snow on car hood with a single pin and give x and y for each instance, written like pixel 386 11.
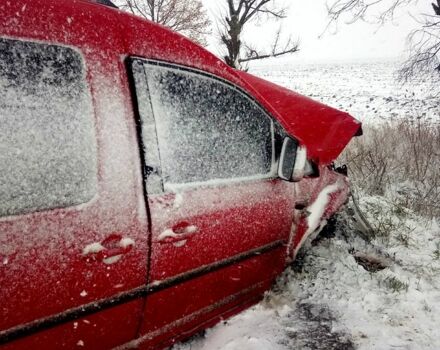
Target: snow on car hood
pixel 325 131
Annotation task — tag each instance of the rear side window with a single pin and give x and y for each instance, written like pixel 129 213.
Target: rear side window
pixel 47 140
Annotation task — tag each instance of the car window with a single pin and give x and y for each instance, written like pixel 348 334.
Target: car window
pixel 47 140
pixel 207 130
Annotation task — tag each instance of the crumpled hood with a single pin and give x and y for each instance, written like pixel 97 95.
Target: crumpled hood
pixel 325 131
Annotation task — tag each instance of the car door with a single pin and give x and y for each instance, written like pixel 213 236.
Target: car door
pixel 73 229
pixel 220 219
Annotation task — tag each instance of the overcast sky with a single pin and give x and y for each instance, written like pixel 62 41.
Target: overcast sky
pixel 307 20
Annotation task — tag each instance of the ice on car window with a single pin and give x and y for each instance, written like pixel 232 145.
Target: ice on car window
pixel 206 129
pixel 47 139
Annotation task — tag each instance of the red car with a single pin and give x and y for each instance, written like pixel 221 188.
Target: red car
pixel 143 192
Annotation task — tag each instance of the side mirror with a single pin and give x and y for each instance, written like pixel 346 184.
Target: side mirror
pixel 300 164
pixel 286 164
pixel 293 161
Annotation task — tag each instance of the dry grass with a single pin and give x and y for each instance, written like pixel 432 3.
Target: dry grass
pixel 401 161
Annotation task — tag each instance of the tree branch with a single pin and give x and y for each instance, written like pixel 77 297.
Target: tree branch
pixel 423 44
pixel 252 54
pixel 187 17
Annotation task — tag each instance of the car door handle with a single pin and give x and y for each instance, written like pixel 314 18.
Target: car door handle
pixel 179 232
pixel 184 227
pixel 109 250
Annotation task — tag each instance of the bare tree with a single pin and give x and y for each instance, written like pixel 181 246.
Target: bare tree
pixel 424 47
pixel 423 43
pixel 240 12
pixel 187 17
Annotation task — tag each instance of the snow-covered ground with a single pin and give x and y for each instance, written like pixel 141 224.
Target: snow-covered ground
pixel 348 292
pixel 367 90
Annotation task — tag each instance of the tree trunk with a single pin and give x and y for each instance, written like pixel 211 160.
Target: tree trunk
pixel 233 43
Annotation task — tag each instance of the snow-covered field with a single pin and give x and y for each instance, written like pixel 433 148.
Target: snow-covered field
pixel 367 90
pixel 348 292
